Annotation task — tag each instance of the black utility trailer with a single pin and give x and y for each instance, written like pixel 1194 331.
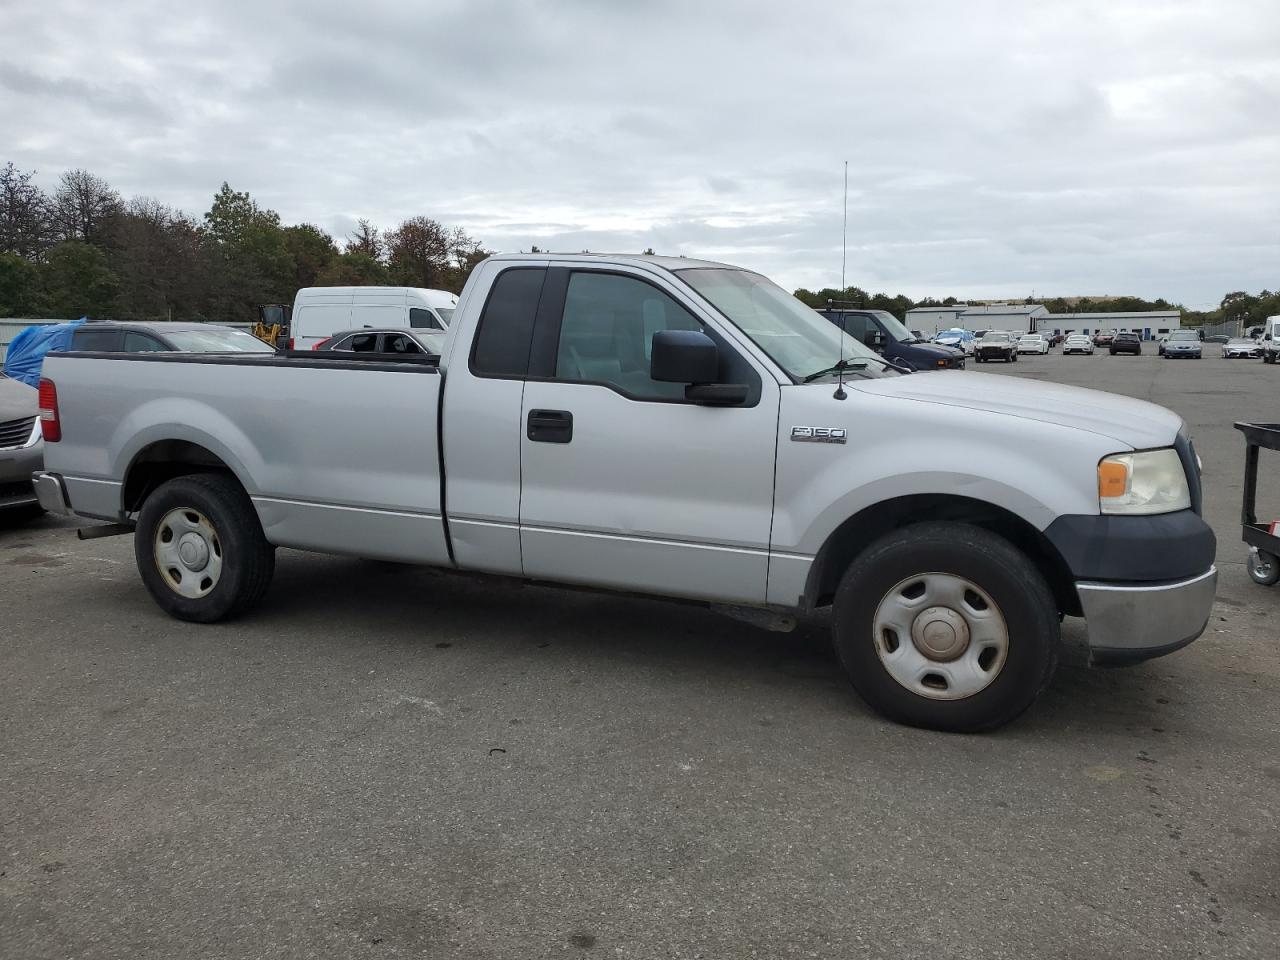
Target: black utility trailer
pixel 1264 546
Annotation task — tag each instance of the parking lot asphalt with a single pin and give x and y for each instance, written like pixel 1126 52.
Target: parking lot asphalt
pixel 382 761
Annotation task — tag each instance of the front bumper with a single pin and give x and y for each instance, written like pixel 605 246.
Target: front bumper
pixel 1129 623
pixel 16 466
pixel 51 493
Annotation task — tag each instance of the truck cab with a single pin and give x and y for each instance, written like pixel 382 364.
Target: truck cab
pixel 884 333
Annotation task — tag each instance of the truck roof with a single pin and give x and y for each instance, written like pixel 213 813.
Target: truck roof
pixel 670 264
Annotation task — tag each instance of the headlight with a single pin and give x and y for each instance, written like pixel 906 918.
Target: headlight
pixel 1152 481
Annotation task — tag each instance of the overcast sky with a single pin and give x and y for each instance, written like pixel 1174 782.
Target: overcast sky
pixel 994 148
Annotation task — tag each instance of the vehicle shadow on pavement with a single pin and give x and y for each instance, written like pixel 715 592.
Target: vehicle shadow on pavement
pixel 334 600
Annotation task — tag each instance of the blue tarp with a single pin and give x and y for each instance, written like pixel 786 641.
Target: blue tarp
pixel 28 347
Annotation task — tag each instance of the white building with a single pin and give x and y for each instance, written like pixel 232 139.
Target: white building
pixel 1149 324
pixel 1034 318
pixel 1019 317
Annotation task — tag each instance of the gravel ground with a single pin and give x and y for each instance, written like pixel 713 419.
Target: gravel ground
pixel 390 762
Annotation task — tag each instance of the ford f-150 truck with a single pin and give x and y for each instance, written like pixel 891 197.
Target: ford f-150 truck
pixel 666 427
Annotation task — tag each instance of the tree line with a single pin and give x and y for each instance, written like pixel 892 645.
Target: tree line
pixel 84 250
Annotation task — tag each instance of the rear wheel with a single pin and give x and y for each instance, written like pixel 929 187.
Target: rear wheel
pixel 947 626
pixel 200 548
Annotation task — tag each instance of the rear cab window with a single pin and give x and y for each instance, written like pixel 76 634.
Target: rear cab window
pixel 505 332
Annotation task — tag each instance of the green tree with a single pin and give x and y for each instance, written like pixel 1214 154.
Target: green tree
pixel 76 281
pixel 311 250
pixel 353 269
pixel 366 240
pixel 252 264
pixel 19 286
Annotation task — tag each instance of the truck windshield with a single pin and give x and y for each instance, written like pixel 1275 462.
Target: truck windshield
pixel 795 337
pixel 895 327
pixel 216 341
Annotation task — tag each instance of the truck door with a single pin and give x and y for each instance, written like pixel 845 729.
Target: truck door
pixel 482 425
pixel 624 483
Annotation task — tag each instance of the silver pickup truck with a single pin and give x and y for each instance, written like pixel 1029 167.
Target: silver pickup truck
pixel 666 427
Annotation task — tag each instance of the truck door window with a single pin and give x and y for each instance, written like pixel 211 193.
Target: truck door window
pixel 96 338
pixel 141 343
pixel 422 319
pixel 858 326
pixel 606 333
pixel 501 347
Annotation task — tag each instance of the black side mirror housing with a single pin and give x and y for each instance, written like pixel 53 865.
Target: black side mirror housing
pixel 684 356
pixel 692 358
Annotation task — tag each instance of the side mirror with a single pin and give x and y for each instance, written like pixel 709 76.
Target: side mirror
pixel 684 356
pixel 875 340
pixel 692 358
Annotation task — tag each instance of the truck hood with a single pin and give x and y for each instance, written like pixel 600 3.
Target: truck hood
pixel 17 400
pixel 1134 423
pixel 939 351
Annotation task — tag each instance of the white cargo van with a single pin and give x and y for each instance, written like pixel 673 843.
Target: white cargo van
pixel 320 312
pixel 1271 339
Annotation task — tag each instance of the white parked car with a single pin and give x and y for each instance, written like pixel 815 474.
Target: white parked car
pixel 320 312
pixel 1077 343
pixel 957 338
pixel 1033 343
pixel 1241 348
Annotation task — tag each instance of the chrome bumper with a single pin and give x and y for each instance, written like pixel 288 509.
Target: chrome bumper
pixel 1129 623
pixel 51 493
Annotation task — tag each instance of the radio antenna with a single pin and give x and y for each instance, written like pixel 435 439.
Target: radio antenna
pixel 844 254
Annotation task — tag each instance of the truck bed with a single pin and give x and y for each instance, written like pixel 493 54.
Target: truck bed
pixel 337 454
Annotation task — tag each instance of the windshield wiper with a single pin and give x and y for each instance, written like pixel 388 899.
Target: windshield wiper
pixel 835 368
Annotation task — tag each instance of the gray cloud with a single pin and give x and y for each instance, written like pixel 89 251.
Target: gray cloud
pixel 995 148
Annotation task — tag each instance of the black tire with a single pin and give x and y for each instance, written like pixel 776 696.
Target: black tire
pixel 247 559
pixel 986 560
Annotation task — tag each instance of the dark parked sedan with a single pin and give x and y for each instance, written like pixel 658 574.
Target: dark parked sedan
pixel 390 340
pixel 130 336
pixel 996 346
pixel 1125 342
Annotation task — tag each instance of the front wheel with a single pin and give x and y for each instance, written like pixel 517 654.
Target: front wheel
pixel 200 548
pixel 946 626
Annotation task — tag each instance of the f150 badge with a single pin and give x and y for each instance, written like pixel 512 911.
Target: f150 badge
pixel 818 434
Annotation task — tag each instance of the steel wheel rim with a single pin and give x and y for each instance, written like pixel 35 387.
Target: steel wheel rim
pixel 188 552
pixel 941 636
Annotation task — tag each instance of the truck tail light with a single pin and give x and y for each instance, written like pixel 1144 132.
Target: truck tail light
pixel 50 425
pixel 289 344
